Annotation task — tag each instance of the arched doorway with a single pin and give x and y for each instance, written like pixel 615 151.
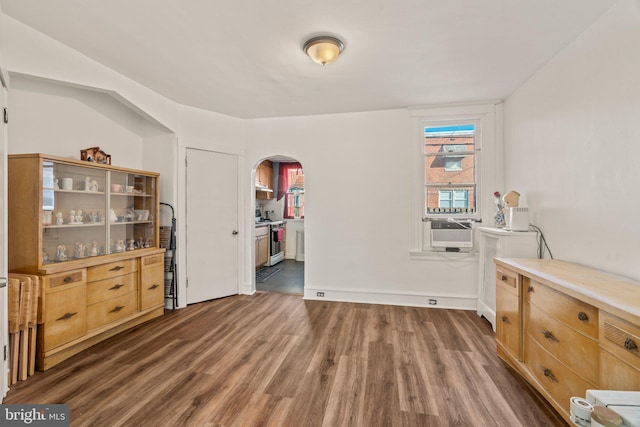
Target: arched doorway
pixel 279 225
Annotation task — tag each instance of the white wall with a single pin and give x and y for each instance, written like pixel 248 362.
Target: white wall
pixel 29 52
pixel 572 145
pixel 358 208
pixel 61 120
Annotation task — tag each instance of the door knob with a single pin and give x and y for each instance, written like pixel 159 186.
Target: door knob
pixel 234 232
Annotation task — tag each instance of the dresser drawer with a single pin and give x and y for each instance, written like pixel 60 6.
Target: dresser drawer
pixel 112 269
pixel 65 316
pixel 578 352
pixel 577 314
pixel 103 290
pixel 508 319
pixel 152 287
pixel 560 382
pixel 68 278
pixel 109 311
pixel 621 338
pixel 616 374
pixel 152 260
pixel 508 278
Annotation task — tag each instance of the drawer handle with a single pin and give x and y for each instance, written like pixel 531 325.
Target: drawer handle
pixel 117 309
pixel 116 268
pixel 505 319
pixel 116 287
pixel 68 279
pixel 503 278
pixel 547 373
pixel 153 287
pixel 583 316
pixel 629 344
pixel 67 316
pixel 549 335
pixel 530 289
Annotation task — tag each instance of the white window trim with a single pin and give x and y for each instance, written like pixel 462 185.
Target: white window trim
pixel 489 173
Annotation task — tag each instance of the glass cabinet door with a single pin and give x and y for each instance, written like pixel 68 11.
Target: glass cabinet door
pixel 73 212
pixel 132 203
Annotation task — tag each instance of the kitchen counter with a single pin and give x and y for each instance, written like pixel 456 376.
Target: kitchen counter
pixel 265 223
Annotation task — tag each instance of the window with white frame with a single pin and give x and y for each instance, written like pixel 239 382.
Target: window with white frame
pixel 455 166
pixel 451 152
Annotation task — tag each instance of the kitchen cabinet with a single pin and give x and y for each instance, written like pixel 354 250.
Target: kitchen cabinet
pixel 572 328
pixel 264 180
pixel 497 242
pixel 86 229
pixel 262 245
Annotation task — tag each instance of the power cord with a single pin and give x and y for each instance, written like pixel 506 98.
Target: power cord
pixel 542 242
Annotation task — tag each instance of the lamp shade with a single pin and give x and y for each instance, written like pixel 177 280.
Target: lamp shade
pixel 324 49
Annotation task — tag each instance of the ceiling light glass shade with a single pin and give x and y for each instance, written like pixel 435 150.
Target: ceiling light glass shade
pixel 323 50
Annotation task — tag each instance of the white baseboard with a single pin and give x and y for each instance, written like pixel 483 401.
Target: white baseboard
pixel 388 298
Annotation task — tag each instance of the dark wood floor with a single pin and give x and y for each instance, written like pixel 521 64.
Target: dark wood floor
pixel 290 280
pixel 275 360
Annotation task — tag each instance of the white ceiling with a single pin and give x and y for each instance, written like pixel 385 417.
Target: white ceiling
pixel 243 57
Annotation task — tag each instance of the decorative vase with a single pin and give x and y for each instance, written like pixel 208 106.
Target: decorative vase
pixel 499 215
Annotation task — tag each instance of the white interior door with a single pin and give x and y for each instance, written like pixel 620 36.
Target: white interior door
pixel 211 225
pixel 4 320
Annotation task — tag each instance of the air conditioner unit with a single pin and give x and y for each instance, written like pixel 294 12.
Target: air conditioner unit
pixel 451 234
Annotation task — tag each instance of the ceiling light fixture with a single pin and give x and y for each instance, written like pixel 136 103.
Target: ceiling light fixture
pixel 324 49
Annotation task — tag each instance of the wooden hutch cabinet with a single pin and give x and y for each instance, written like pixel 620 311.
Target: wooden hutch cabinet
pixel 91 232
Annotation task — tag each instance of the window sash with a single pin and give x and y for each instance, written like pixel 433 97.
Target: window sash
pixel 437 149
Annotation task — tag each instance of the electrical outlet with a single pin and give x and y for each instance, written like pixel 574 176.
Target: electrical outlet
pixel 433 302
pixel 320 294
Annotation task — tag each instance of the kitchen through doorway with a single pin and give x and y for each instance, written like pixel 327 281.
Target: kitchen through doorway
pixel 279 225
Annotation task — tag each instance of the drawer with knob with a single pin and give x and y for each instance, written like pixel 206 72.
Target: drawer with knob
pixel 103 290
pixel 508 318
pixel 558 381
pixel 112 269
pixel 509 278
pixel 574 313
pixel 65 317
pixel 620 338
pixel 68 278
pixel 578 352
pixel 151 284
pixel 109 311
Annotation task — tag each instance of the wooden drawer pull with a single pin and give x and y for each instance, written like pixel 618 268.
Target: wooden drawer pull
pixel 67 316
pixel 117 309
pixel 505 319
pixel 153 287
pixel 68 279
pixel 629 344
pixel 116 287
pixel 116 268
pixel 547 373
pixel 549 335
pixel 583 316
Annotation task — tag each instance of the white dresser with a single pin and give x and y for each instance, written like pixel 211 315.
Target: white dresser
pixel 498 243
